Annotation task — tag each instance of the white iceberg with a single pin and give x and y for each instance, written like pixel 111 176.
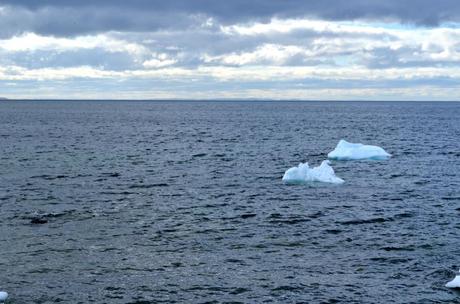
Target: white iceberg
pixel 304 174
pixel 455 283
pixel 350 151
pixel 3 296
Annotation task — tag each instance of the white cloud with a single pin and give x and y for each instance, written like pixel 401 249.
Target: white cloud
pixel 271 74
pixel 34 42
pixel 293 52
pixel 290 25
pixel 159 61
pixel 330 38
pixel 265 54
pixel 47 74
pixel 398 94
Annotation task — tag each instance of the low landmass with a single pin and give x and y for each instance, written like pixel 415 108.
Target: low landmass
pixel 3 98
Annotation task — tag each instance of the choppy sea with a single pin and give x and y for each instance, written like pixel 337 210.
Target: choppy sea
pixel 182 202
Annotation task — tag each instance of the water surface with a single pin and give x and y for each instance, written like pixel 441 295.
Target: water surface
pixel 182 202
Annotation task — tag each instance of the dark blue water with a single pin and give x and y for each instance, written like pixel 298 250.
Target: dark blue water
pixel 182 202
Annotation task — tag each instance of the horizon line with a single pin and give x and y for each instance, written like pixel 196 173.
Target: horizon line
pixel 3 99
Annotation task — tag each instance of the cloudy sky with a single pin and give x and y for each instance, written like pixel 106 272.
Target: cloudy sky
pixel 264 49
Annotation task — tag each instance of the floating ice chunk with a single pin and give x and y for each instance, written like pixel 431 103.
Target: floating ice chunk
pixel 455 283
pixel 350 151
pixel 304 174
pixel 3 296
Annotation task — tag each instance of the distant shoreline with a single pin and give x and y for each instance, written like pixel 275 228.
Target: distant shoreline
pixel 221 100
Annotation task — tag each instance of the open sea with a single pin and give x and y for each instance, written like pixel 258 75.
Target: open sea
pixel 182 202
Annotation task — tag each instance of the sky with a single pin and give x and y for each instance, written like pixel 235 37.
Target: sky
pixel 238 49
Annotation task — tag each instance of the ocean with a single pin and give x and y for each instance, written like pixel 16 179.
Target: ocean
pixel 183 202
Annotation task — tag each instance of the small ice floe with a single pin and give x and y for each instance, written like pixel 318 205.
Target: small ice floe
pixel 3 296
pixel 304 174
pixel 455 283
pixel 350 151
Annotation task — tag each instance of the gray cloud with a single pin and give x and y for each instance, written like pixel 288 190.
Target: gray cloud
pixel 307 45
pixel 72 21
pixel 233 47
pixel 73 17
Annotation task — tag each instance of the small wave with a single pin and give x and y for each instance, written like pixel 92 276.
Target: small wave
pixel 147 186
pixel 199 155
pixel 366 221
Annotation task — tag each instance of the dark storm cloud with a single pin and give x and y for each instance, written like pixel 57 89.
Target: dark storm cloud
pixel 419 11
pixel 71 17
pixel 70 21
